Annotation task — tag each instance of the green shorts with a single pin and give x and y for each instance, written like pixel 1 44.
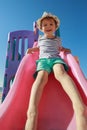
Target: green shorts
pixel 47 64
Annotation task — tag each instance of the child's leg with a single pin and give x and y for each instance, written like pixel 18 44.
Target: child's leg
pixel 35 96
pixel 72 91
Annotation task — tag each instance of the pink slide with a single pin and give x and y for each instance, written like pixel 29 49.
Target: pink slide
pixel 55 108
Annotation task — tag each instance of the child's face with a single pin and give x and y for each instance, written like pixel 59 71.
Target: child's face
pixel 48 26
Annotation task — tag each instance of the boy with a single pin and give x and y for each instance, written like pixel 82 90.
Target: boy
pixel 49 48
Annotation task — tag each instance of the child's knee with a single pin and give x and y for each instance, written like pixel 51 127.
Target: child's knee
pixel 59 72
pixel 79 108
pixel 32 113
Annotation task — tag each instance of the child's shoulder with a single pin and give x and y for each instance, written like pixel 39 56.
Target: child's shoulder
pixel 57 37
pixel 41 37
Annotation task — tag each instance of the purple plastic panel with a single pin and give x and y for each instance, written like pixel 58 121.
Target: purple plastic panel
pixel 18 43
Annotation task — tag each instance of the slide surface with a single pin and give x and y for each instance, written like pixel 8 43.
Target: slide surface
pixel 55 108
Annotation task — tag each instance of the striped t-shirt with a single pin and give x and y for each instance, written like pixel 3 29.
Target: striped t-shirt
pixel 49 48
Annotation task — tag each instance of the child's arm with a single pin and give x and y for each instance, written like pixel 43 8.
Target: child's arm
pixel 61 48
pixel 31 50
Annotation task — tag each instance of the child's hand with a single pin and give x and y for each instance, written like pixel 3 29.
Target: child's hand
pixel 66 50
pixel 32 50
pixel 29 51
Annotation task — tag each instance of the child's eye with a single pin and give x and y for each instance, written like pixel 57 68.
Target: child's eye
pixel 51 24
pixel 45 24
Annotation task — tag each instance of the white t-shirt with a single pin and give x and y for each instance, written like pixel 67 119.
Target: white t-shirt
pixel 49 47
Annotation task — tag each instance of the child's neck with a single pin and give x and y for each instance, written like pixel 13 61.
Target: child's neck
pixel 49 36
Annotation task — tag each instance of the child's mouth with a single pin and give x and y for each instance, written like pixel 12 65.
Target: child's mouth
pixel 48 30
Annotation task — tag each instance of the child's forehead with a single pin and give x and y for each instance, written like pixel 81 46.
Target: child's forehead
pixel 48 19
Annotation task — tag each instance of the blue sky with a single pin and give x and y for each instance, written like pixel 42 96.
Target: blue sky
pixel 20 14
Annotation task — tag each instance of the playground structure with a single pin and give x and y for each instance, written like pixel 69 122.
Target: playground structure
pixel 55 109
pixel 18 43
